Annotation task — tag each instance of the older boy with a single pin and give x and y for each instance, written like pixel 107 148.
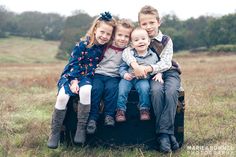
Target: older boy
pixel 164 96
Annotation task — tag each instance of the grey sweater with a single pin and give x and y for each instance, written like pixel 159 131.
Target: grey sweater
pixel 109 65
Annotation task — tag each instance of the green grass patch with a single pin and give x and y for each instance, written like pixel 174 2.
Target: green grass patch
pixel 25 50
pixel 223 48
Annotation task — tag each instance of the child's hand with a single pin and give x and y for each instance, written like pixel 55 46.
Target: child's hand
pixel 158 77
pixel 74 86
pixel 128 76
pixel 140 72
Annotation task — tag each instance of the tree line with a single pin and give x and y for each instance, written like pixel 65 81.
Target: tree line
pixel 196 34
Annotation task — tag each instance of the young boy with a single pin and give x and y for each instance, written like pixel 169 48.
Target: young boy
pixel 106 79
pixel 164 96
pixel 144 56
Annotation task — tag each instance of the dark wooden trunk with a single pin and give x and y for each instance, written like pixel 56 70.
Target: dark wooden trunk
pixel 131 133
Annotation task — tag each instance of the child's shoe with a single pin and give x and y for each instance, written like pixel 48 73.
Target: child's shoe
pixel 109 121
pixel 91 126
pixel 144 114
pixel 120 116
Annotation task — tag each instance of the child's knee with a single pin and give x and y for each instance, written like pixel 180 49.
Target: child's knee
pixel 85 94
pixel 62 98
pixel 144 87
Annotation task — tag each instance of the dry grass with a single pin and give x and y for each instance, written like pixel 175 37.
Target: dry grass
pixel 210 87
pixel 28 92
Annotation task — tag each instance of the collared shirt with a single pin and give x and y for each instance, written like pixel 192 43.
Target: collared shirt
pixel 149 58
pixel 165 57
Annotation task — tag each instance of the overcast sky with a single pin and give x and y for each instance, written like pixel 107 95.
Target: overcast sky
pixel 184 9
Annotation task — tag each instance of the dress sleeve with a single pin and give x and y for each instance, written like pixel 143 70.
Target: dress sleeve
pixel 73 69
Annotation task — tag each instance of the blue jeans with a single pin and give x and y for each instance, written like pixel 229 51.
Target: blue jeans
pixel 143 89
pixel 106 88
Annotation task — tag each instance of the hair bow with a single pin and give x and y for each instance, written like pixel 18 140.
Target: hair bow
pixel 106 16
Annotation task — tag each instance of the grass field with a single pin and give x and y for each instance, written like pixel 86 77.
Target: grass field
pixel 28 76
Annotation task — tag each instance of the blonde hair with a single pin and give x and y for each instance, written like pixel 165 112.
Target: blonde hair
pixel 148 10
pixel 138 29
pixel 126 23
pixel 96 23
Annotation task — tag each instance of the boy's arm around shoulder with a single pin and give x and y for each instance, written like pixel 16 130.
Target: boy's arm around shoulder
pixel 128 56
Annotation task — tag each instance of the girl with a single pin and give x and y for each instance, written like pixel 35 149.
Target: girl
pixel 77 77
